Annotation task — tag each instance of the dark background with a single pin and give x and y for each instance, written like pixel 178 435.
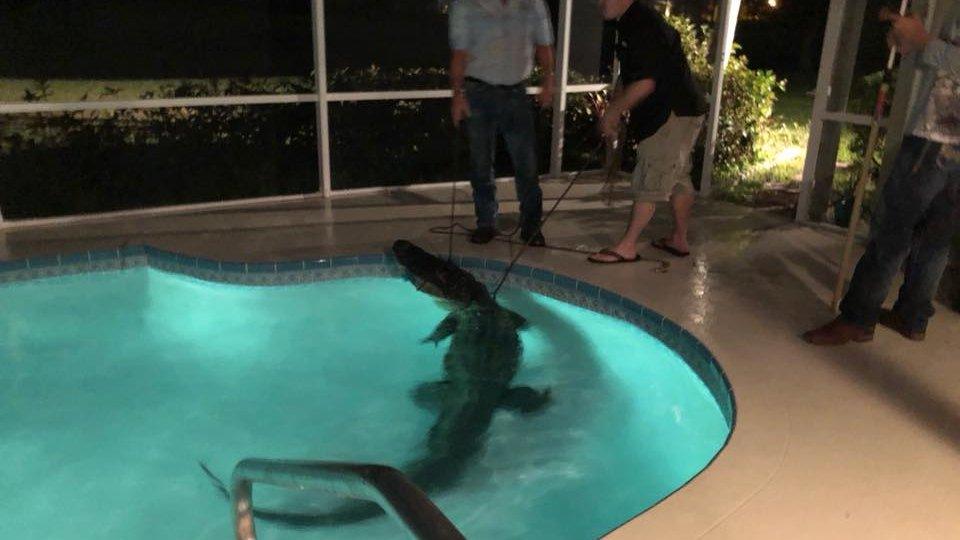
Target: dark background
pixel 163 39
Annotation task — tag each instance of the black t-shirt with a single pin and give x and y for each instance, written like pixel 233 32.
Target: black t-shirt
pixel 649 48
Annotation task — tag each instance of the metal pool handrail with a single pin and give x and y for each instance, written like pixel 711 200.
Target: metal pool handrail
pixel 381 484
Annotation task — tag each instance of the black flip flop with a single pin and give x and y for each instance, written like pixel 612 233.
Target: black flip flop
pixel 618 258
pixel 663 246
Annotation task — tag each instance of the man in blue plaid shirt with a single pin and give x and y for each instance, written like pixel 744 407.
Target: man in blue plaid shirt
pixel 493 44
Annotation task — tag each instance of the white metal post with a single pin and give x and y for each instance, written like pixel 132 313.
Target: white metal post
pixel 560 96
pixel 831 42
pixel 323 110
pixel 728 27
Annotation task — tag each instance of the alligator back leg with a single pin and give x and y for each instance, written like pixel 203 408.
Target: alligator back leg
pixel 430 395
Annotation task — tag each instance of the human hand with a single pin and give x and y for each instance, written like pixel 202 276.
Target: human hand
pixel 545 97
pixel 459 108
pixel 609 125
pixel 906 32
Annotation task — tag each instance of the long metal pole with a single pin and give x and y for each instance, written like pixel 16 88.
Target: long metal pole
pixel 560 97
pixel 323 111
pixel 728 26
pixel 865 172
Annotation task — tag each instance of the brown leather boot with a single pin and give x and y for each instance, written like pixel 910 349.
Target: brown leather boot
pixel 838 332
pixel 893 321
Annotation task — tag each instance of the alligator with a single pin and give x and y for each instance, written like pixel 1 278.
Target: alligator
pixel 479 367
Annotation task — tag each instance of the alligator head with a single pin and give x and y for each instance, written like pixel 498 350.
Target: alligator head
pixel 438 277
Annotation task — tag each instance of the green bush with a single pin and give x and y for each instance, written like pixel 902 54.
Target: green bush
pixel 407 141
pixel 80 162
pixel 746 109
pixel 746 106
pixel 96 161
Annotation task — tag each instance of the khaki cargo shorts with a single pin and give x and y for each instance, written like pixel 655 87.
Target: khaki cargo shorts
pixel 664 162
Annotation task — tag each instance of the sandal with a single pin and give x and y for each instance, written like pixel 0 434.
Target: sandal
pixel 662 245
pixel 618 258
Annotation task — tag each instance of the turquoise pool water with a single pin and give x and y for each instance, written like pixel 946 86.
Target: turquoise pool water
pixel 113 385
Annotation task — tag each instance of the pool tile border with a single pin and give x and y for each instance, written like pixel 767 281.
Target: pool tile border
pixel 266 273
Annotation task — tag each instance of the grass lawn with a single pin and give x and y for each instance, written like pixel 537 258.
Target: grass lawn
pixel 784 144
pixel 794 105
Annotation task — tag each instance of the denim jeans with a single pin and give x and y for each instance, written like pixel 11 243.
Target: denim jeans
pixel 507 110
pixel 918 215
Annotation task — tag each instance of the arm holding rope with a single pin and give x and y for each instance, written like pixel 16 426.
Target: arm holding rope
pixel 628 98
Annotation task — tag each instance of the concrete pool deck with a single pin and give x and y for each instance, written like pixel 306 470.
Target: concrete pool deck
pixel 861 441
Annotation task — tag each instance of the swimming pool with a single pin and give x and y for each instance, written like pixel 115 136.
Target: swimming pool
pixel 115 383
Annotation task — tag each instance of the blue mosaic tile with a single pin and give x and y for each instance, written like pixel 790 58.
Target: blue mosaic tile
pixel 207 264
pixel 471 262
pixel 152 251
pixel 728 406
pixel 10 266
pixel 133 251
pixel 44 262
pixel 521 270
pixel 654 317
pixel 688 349
pixel 591 291
pixel 542 275
pixel 493 264
pixel 104 255
pixel 345 261
pixel 239 268
pixel 652 323
pixel 370 259
pixel 610 297
pixel 261 268
pixel 186 260
pixel 163 256
pixel 634 307
pixel 703 351
pixel 672 335
pixel 290 266
pixel 565 282
pixel 318 263
pixel 75 258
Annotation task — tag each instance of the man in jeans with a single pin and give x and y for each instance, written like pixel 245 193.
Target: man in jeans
pixel 668 108
pixel 920 209
pixel 493 45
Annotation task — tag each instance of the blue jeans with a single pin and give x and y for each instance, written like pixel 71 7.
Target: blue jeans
pixel 508 110
pixel 918 215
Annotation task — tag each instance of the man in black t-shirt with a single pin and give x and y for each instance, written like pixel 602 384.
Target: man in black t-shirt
pixel 666 111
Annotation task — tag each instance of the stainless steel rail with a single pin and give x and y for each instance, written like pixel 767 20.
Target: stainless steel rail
pixel 383 485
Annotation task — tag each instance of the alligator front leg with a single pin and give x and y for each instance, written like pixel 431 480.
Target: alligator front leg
pixel 525 399
pixel 445 329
